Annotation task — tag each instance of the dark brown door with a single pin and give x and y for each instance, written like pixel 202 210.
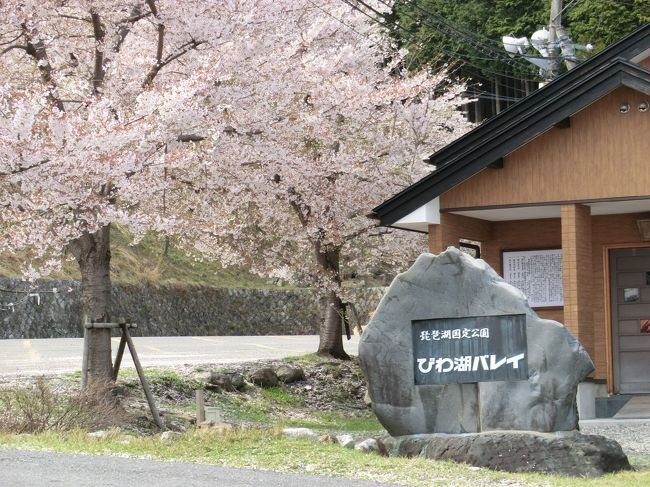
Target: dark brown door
pixel 630 297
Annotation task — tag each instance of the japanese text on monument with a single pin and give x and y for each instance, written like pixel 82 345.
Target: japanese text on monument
pixel 473 349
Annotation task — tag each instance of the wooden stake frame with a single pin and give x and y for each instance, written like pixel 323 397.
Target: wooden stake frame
pixel 124 341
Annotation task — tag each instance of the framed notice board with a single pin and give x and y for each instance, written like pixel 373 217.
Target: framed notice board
pixel 538 274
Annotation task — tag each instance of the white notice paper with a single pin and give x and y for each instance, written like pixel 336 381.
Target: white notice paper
pixel 538 274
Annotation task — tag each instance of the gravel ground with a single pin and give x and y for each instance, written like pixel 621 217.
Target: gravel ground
pixel 633 435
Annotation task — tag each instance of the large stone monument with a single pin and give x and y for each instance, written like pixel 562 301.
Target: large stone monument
pixel 452 348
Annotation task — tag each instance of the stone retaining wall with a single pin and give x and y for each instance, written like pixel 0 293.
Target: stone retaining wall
pixel 53 310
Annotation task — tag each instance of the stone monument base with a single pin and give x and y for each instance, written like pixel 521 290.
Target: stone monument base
pixel 563 453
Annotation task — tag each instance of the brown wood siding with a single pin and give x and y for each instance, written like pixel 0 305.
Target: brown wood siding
pixel 604 154
pixel 645 63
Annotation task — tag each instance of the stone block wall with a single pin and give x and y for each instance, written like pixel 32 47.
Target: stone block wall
pixel 52 309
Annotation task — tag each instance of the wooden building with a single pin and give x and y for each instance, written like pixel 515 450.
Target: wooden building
pixel 555 191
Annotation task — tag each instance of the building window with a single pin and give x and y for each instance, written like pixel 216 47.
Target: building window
pixel 470 247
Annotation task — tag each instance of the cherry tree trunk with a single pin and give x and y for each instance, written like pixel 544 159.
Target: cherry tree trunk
pixel 93 255
pixel 331 328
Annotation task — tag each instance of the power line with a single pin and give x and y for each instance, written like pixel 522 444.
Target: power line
pixel 382 20
pixel 449 53
pixel 480 71
pixel 477 41
pixel 338 20
pixel 493 96
pixel 564 9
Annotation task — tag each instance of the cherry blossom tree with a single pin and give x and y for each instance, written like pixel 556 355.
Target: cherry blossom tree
pixel 333 126
pixel 262 131
pixel 93 96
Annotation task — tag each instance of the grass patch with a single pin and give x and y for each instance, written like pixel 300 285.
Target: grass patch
pixel 244 409
pixel 169 387
pixel 73 376
pixel 361 422
pixel 257 442
pixel 309 358
pixel 146 261
pixel 282 396
pixel 268 450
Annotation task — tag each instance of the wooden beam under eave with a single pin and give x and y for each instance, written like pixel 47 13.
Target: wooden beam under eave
pixel 498 164
pixel 564 123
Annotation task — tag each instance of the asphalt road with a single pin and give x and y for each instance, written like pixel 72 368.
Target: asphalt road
pixel 30 468
pixel 56 355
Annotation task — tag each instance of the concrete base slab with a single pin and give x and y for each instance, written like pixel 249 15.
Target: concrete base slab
pixel 607 407
pixel 637 407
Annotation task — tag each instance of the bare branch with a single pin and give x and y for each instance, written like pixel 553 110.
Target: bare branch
pixel 99 34
pixel 155 69
pixel 15 46
pixel 36 49
pixel 73 17
pixel 190 138
pixel 160 62
pixel 190 184
pixel 302 209
pixel 152 7
pixel 24 168
pixel 126 25
pixel 11 41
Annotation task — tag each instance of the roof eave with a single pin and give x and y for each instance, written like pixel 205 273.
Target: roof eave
pixel 497 143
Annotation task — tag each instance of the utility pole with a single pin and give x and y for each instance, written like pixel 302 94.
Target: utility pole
pixel 553 45
pixel 559 41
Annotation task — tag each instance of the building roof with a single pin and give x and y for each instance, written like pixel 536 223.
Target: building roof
pixel 545 108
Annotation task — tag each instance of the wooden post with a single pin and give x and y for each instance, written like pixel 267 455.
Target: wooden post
pixel 84 360
pixel 200 406
pixel 118 358
pixel 138 367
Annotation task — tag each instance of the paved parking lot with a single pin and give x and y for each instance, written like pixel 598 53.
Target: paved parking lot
pixel 45 356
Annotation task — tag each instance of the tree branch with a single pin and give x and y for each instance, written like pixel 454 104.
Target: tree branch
pixel 302 209
pixel 367 230
pixel 126 25
pixel 15 46
pixel 24 168
pixel 152 7
pixel 99 34
pixel 159 45
pixel 162 145
pixel 190 138
pixel 182 50
pixel 36 49
pixel 11 41
pixel 73 17
pixel 160 62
